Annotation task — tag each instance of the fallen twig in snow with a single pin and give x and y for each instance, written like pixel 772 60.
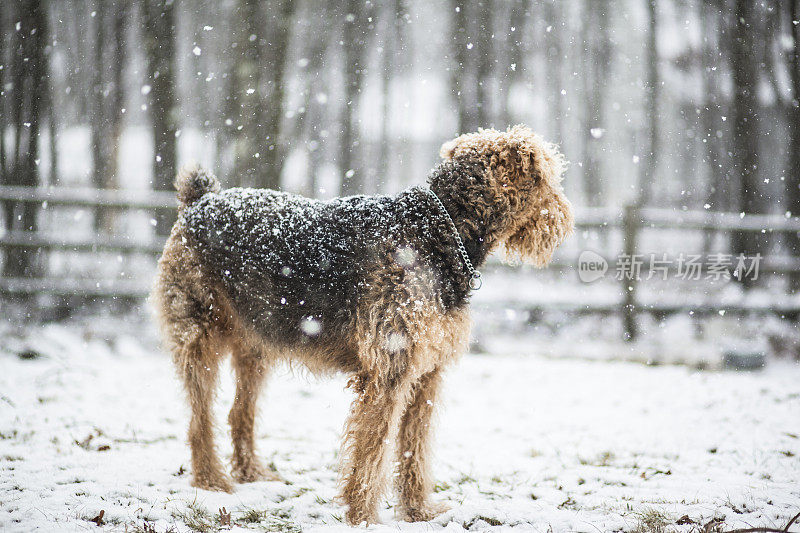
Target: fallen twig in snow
pixel 767 529
pixel 98 520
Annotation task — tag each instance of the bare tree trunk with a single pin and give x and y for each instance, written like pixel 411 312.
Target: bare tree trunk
pixel 250 132
pixel 98 118
pixel 485 60
pixel 275 150
pixel 467 121
pixel 392 28
pixel 711 111
pixel 3 97
pixel 29 86
pixel 117 97
pixel 596 62
pixel 517 51
pixel 52 125
pixel 554 14
pixel 78 74
pixel 652 99
pixel 793 172
pixel 355 26
pixel 745 123
pixel 230 108
pixel 259 67
pixel 159 40
pixel 387 56
pixel 315 117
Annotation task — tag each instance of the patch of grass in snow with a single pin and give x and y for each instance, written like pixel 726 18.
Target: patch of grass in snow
pixel 465 478
pixel 73 481
pixel 652 520
pixel 299 492
pixel 252 516
pixel 197 519
pixel 147 527
pixel 201 520
pixel 569 503
pixel 296 494
pixel 270 521
pixel 441 486
pixel 602 459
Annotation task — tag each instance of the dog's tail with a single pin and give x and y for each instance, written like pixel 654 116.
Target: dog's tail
pixel 192 182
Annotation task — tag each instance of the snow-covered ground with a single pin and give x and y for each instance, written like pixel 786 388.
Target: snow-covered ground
pixel 524 442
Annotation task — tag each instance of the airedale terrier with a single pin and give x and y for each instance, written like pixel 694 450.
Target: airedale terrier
pixel 377 287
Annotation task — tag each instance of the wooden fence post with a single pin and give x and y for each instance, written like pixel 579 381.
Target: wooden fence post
pixel 630 227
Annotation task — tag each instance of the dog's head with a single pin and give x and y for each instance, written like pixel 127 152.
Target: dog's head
pixel 525 173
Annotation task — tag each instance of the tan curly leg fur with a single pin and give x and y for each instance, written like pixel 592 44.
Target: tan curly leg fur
pixel 413 482
pixel 193 323
pixel 251 370
pixel 371 426
pixel 199 371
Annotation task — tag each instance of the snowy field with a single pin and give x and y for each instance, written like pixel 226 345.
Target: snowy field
pixel 524 442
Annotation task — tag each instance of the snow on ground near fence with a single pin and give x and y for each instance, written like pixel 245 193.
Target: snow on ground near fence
pixel 523 442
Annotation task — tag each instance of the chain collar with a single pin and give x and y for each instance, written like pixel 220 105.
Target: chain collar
pixel 475 280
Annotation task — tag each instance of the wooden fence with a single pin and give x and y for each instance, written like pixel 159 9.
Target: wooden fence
pixel 627 223
pixel 48 198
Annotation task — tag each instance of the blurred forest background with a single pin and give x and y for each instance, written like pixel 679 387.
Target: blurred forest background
pixel 688 105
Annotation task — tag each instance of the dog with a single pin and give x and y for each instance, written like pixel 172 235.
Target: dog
pixel 377 287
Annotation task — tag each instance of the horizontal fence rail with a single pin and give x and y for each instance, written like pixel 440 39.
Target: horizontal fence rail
pixel 89 197
pixel 75 287
pixel 99 243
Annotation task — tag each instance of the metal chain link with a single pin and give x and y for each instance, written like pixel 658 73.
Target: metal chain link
pixel 475 280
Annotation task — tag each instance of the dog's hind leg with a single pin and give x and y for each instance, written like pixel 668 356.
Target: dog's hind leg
pixel 251 369
pixel 192 321
pixel 200 365
pixel 413 482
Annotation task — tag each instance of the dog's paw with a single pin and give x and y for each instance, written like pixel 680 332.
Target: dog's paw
pixel 356 517
pixel 254 471
pixel 216 482
pixel 425 512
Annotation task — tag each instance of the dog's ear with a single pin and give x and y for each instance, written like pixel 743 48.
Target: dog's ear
pixel 511 168
pixel 548 160
pixel 549 218
pixel 551 221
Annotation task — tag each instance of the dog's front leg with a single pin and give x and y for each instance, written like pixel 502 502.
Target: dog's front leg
pixel 371 426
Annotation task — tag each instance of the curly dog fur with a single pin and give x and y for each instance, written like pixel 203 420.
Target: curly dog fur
pixel 371 286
